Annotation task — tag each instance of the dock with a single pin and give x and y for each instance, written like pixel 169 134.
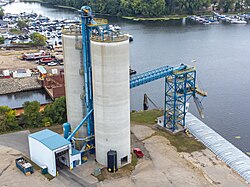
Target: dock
pixel 224 150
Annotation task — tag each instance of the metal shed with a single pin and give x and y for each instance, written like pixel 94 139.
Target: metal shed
pixel 50 149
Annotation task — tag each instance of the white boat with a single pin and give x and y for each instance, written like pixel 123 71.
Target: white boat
pixel 116 27
pixel 236 21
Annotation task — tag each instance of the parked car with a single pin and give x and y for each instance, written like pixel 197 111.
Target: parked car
pixel 138 152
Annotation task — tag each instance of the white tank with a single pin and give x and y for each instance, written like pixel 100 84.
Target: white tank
pixel 111 94
pixel 74 80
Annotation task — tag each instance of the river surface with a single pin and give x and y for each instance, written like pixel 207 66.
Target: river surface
pixel 222 54
pixel 16 100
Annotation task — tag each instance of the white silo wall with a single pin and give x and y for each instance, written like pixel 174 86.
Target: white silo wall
pixel 74 81
pixel 111 94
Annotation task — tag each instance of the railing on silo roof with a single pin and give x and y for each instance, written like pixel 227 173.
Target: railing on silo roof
pixel 109 37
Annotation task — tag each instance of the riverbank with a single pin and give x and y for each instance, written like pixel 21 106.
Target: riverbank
pixel 165 18
pixel 12 85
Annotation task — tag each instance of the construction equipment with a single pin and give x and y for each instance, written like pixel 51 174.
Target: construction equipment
pixel 145 102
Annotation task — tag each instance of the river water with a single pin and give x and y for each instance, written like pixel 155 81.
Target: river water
pixel 222 54
pixel 16 100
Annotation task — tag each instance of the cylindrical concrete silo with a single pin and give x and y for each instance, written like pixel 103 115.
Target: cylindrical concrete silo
pixel 74 80
pixel 111 94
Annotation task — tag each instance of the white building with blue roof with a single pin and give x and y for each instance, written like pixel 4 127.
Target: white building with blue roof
pixel 50 149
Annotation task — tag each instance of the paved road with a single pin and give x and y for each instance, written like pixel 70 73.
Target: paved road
pixel 70 179
pixel 16 140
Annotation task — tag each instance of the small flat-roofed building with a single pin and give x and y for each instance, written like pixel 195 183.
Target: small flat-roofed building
pixel 49 149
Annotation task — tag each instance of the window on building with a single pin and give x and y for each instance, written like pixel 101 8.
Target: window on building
pixel 124 160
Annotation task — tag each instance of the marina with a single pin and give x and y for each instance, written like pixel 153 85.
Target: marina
pixel 219 18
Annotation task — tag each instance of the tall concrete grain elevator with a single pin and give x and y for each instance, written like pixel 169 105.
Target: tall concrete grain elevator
pixel 74 79
pixel 98 90
pixel 111 94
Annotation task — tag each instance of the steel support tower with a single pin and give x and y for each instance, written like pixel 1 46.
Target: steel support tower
pixel 179 88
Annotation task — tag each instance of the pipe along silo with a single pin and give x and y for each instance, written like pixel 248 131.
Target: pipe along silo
pixel 111 95
pixel 74 79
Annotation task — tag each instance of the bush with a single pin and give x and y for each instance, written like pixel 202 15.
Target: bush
pixel 31 116
pixel 57 111
pixel 38 39
pixel 1 39
pixel 21 24
pixel 1 13
pixel 7 119
pixel 15 31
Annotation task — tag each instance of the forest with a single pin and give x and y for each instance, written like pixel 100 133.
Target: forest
pixel 155 8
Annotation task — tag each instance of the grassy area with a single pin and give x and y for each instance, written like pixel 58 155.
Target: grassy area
pixel 166 18
pixel 16 31
pixel 181 141
pixel 124 171
pixel 145 117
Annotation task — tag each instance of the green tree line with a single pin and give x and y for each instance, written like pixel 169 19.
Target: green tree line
pixel 54 113
pixel 154 7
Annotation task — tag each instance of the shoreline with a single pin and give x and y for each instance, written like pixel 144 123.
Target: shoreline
pixel 135 18
pixel 166 18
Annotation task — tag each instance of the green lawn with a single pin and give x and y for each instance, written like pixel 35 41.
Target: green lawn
pixel 181 141
pixel 145 117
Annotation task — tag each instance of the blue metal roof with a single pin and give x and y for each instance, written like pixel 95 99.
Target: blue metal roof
pixel 50 139
pixel 75 152
pixel 42 69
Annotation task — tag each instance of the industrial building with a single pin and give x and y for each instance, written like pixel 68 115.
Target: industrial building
pixel 49 149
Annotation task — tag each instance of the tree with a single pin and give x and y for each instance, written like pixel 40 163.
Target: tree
pixel 7 119
pixel 1 39
pixel 226 5
pixel 56 111
pixel 31 116
pixel 21 24
pixel 38 39
pixel 1 13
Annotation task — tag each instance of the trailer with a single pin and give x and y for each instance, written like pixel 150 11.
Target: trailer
pixel 24 166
